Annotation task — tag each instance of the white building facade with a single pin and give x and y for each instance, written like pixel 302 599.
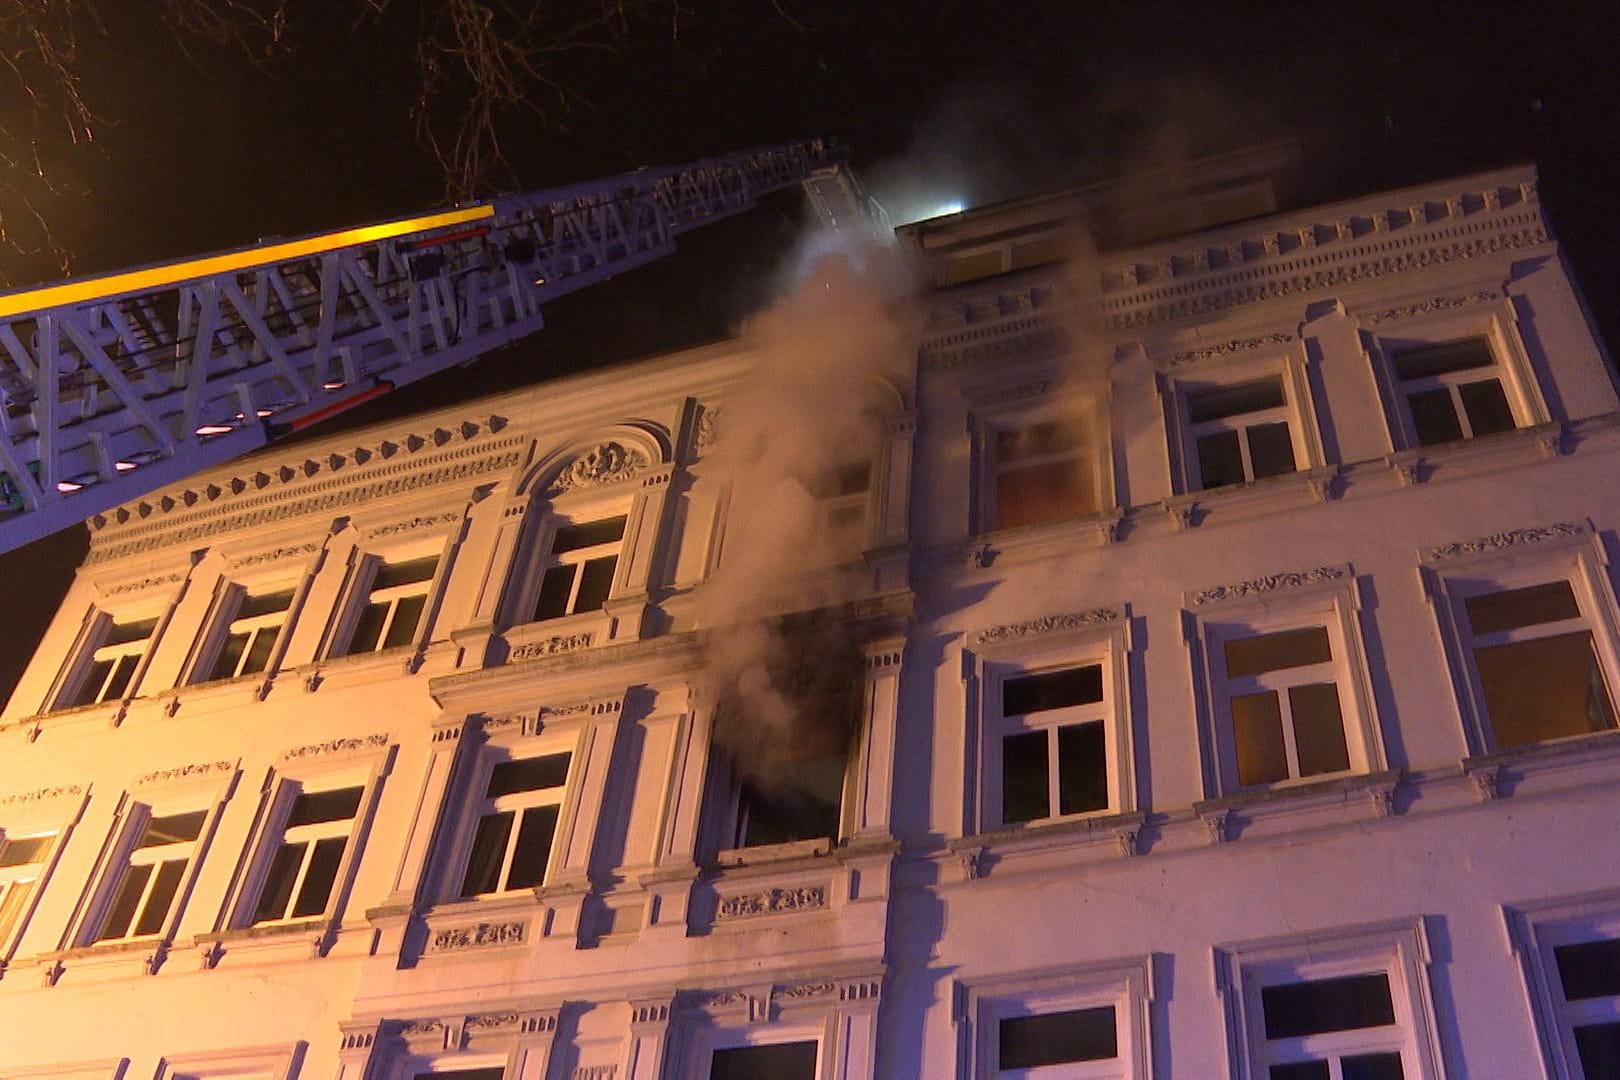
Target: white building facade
pixel 1232 650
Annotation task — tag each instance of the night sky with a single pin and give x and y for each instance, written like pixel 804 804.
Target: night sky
pixel 197 149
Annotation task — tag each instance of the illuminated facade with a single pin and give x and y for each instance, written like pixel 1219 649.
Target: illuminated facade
pixel 1228 664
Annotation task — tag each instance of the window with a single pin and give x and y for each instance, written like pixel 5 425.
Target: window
pixel 393 611
pixel 1041 471
pixel 251 635
pixel 111 670
pixel 579 570
pixel 299 880
pixel 797 799
pixel 151 875
pixel 517 825
pixel 843 497
pixel 1571 950
pixel 493 1072
pixel 1240 432
pixel 1535 664
pixel 1452 390
pixel 1085 1023
pixel 22 861
pixel 1351 1005
pixel 1282 700
pixel 1054 745
pixel 777 1061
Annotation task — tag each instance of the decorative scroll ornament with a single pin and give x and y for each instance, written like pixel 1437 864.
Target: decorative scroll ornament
pixel 1228 348
pixel 1437 303
pixel 40 794
pixel 708 426
pixel 1511 538
pixel 273 554
pixel 1293 579
pixel 1046 624
pixel 478 936
pixel 423 521
pixel 335 746
pixel 183 771
pixel 604 463
pixel 552 646
pixel 772 901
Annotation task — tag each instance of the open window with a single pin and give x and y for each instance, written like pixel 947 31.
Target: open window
pixel 1041 465
pixel 22 867
pixel 142 888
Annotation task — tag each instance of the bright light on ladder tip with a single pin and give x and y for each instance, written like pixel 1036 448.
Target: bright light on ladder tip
pixel 136 460
pixel 76 483
pixel 215 429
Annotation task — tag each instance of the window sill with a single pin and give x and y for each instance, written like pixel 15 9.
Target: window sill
pixel 1099 836
pixel 104 959
pixel 1416 464
pixel 1266 494
pixel 1043 538
pixel 300 939
pixel 504 920
pixel 773 854
pixel 1296 806
pixel 1504 772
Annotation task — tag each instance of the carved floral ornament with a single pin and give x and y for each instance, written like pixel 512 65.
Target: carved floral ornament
pixel 773 901
pixel 40 795
pixel 604 463
pixel 1292 579
pixel 1046 624
pixel 1563 530
pixel 184 772
pixel 1227 348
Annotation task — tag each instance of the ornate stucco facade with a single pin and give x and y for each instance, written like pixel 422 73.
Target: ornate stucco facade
pixel 1233 648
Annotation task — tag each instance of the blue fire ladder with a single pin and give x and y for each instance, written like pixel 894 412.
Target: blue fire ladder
pixel 116 385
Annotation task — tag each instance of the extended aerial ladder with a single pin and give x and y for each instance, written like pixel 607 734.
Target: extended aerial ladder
pixel 116 385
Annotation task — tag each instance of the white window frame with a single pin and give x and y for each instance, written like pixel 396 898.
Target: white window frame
pixel 33 874
pixel 110 1069
pixel 1093 451
pixel 53 815
pixel 1566 551
pixel 1125 984
pixel 274 833
pixel 473 804
pixel 1534 930
pixel 94 650
pixel 1298 411
pixel 280 1062
pixel 1101 636
pixel 364 594
pixel 552 523
pixel 773 1035
pixel 1497 324
pixel 1333 602
pixel 126 856
pixel 1399 950
pixel 227 622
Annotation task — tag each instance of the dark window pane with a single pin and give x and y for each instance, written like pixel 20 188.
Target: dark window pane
pixel 1025 795
pixel 316 806
pixel 1434 417
pixel 1271 451
pixel 1598 1046
pixel 404 573
pixel 528 774
pixel 123 633
pixel 264 605
pixel 1220 460
pixel 533 849
pixel 594 582
pixel 1342 1004
pixel 1373 1067
pixel 278 882
pixel 1028 1042
pixel 172 829
pixel 21 852
pixel 1082 768
pixel 494 1072
pixel 1262 757
pixel 230 652
pixel 1274 652
pixel 1052 690
pixel 488 849
pixel 1318 729
pixel 1044 492
pixel 166 883
pixel 588 534
pixel 122 673
pixel 1517 608
pixel 804 801
pixel 323 868
pixel 368 629
pixel 1546 688
pixel 89 688
pixel 1487 407
pixel 407 613
pixel 1035 440
pixel 853 479
pixel 12 900
pixel 122 909
pixel 1300 1070
pixel 1426 361
pixel 1236 400
pixel 1590 969
pixel 784 1061
pixel 259 655
pixel 555 588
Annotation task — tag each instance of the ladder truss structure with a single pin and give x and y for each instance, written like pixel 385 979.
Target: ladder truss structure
pixel 119 384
